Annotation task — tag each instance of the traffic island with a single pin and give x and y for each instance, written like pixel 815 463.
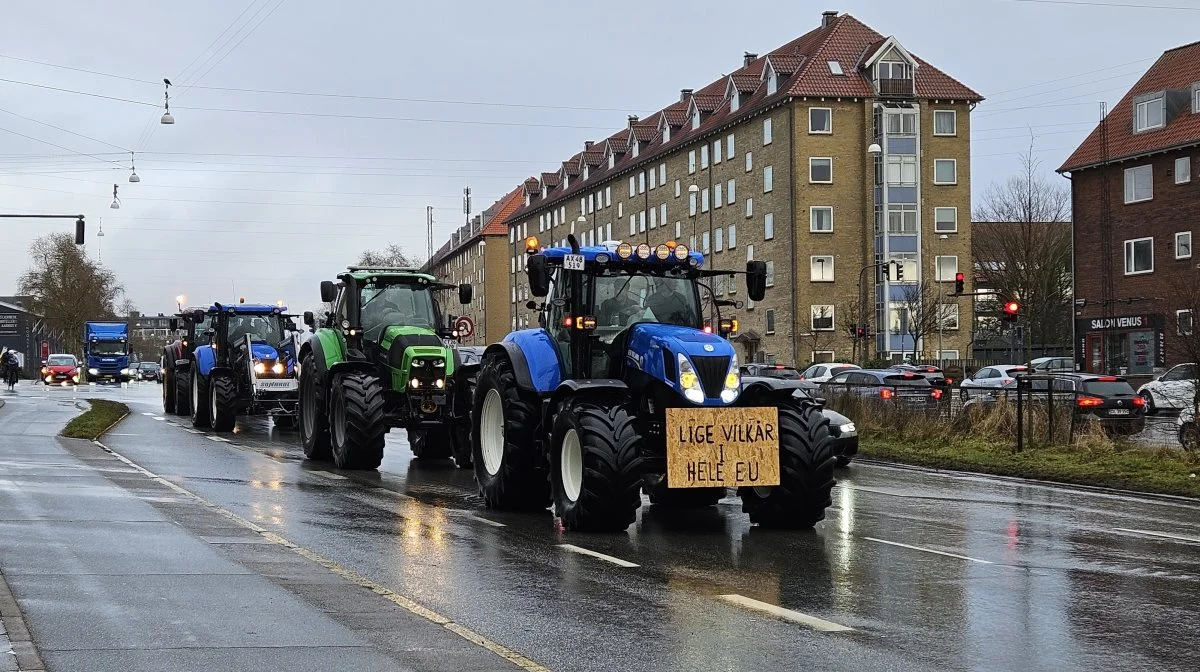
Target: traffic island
pixel 98 419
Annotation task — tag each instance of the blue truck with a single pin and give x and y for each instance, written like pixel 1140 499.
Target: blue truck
pixel 106 351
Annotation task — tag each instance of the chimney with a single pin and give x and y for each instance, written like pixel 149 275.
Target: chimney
pixel 632 120
pixel 587 144
pixel 827 18
pixel 748 58
pixel 684 94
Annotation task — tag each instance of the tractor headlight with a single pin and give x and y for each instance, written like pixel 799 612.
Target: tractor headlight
pixel 439 383
pixel 733 382
pixel 689 381
pixel 415 383
pixel 260 368
pixel 277 369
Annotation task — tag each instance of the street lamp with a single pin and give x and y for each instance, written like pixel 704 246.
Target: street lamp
pixel 116 204
pixel 167 119
pixel 133 176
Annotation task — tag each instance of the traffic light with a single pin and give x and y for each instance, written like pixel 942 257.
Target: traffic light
pixel 959 281
pixel 1012 310
pixel 79 231
pixel 899 272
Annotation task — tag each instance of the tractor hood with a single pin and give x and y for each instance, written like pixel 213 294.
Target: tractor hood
pixel 263 351
pixel 655 349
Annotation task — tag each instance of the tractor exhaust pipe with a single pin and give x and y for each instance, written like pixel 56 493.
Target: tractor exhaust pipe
pixel 573 242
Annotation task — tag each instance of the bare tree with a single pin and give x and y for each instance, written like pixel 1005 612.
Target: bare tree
pixel 67 287
pixel 391 256
pixel 819 340
pixel 1024 252
pixel 922 312
pixel 1184 337
pixel 850 317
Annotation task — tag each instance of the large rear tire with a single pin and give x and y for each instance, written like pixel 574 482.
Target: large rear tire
pixel 168 392
pixel 222 395
pixel 504 425
pixel 199 400
pixel 356 423
pixel 429 444
pixel 806 463
pixel 181 387
pixel 596 467
pixel 313 413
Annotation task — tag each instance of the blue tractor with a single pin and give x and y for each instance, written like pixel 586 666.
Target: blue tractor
pixel 244 363
pixel 623 389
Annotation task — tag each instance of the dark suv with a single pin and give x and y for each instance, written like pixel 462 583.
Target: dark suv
pixel 902 388
pixel 931 373
pixel 1109 399
pixel 771 371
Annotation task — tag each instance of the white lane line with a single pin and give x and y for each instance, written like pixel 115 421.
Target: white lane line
pixel 148 414
pixel 193 431
pixel 929 550
pixel 607 558
pixel 485 521
pixel 222 439
pixel 158 418
pixel 1164 535
pixel 785 614
pixel 326 474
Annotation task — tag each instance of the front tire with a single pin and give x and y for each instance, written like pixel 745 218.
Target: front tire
pixel 806 463
pixel 312 414
pixel 168 394
pixel 222 394
pixel 596 467
pixel 199 400
pixel 356 424
pixel 504 425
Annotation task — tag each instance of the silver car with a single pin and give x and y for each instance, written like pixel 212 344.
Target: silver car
pixel 991 378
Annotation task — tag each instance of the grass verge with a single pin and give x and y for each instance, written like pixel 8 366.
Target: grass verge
pixel 1155 470
pixel 96 420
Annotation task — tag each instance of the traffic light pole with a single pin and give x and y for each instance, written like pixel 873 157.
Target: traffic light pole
pixel 79 225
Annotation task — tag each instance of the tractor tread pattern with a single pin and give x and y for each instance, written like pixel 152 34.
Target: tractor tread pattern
pixel 224 391
pixel 612 467
pixel 806 463
pixel 316 446
pixel 199 413
pixel 362 395
pixel 522 483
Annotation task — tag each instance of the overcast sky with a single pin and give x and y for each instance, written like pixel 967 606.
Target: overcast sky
pixel 227 207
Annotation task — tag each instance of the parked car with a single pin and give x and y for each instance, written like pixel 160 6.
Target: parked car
pixel 819 373
pixel 1174 390
pixel 1109 399
pixel 990 378
pixel 61 369
pixel 145 371
pixel 902 388
pixel 1051 365
pixel 778 371
pixel 841 428
pixel 933 374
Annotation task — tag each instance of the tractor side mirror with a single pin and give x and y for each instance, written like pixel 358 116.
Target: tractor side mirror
pixel 310 320
pixel 756 279
pixel 198 316
pixel 465 293
pixel 328 291
pixel 539 275
pixel 173 324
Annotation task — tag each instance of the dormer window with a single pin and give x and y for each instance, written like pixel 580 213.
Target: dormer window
pixel 1149 113
pixel 1196 98
pixel 612 160
pixel 633 147
pixel 585 171
pixel 666 132
pixel 772 82
pixel 695 117
pixel 566 181
pixel 893 70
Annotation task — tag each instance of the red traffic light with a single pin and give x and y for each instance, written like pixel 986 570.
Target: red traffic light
pixel 959 283
pixel 1012 307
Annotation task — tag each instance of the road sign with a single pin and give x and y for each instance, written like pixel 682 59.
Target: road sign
pixel 465 326
pixel 45 349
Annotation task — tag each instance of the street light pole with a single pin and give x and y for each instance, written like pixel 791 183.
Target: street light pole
pixel 79 225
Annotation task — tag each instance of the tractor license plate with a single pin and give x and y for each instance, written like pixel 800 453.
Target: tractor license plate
pixel 573 262
pixel 722 447
pixel 285 385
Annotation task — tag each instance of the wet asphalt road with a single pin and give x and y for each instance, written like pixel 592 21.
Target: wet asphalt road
pixel 911 570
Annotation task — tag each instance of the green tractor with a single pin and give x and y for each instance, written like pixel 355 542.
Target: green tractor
pixel 383 358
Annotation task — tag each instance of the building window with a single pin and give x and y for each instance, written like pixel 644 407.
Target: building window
pixel 719 239
pixel 749 253
pixel 768 179
pixel 677 189
pixel 729 146
pixel 662 174
pixel 770 273
pixel 632 185
pixel 749 161
pixel 608 231
pixel 749 207
pixel 620 209
pixel 945 122
pixel 822 318
pixel 632 224
pixel 704 200
pixel 653 217
pixel 1183 170
pixel 1139 184
pixel 729 192
pixel 692 203
pixel 947 268
pixel 716 151
pixel 767 131
pixel 1183 245
pixel 718 199
pixel 1196 98
pixel 718 285
pixel 653 179
pixel 945 171
pixel 642 221
pixel 1149 114
pixel 607 197
pixel 821 268
pixel 1183 323
pixel 704 241
pixel 678 230
pixel 768 226
pixel 592 203
pixel 902 123
pixel 901 170
pixel 945 220
pixel 641 182
pixel 820 170
pixel 820 219
pixel 906 261
pixel 732 236
pixel 770 321
pixel 902 218
pixel 820 120
pixel 662 214
pixel 948 314
pixel 691 162
pixel 704 157
pixel 1139 256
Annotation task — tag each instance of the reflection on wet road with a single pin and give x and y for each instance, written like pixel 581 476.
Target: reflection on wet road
pixel 911 569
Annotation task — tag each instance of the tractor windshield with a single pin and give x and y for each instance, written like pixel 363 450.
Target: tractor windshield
pixel 403 304
pixel 622 300
pixel 261 328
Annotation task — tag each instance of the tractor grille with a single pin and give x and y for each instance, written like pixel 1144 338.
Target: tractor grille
pixel 712 372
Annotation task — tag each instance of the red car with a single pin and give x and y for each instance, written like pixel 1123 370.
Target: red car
pixel 61 370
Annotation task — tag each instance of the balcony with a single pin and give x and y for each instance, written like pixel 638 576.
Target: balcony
pixel 895 88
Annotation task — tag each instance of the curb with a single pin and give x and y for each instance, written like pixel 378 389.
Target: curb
pixel 1153 496
pixel 28 659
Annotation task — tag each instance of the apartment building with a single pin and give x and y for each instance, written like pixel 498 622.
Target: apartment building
pixel 830 158
pixel 477 254
pixel 1136 204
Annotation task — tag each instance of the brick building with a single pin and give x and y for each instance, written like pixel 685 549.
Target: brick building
pixel 774 162
pixel 1136 204
pixel 477 254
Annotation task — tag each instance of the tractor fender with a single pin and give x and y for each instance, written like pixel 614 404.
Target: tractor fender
pixel 206 359
pixel 516 357
pixel 342 367
pixel 324 358
pixel 594 388
pixel 534 357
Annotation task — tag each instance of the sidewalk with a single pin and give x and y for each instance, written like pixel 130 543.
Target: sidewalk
pixel 115 571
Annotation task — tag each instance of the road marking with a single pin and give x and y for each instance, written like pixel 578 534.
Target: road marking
pixel 785 614
pixel 326 474
pixel 929 550
pixel 222 439
pixel 485 521
pixel 160 419
pixel 148 414
pixel 388 594
pixel 193 431
pixel 1164 535
pixel 607 558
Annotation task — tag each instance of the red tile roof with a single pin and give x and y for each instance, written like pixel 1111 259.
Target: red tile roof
pixel 505 207
pixel 786 64
pixel 746 83
pixel 571 166
pixel 1177 68
pixel 645 132
pixel 708 102
pixel 676 114
pixel 594 156
pixel 533 186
